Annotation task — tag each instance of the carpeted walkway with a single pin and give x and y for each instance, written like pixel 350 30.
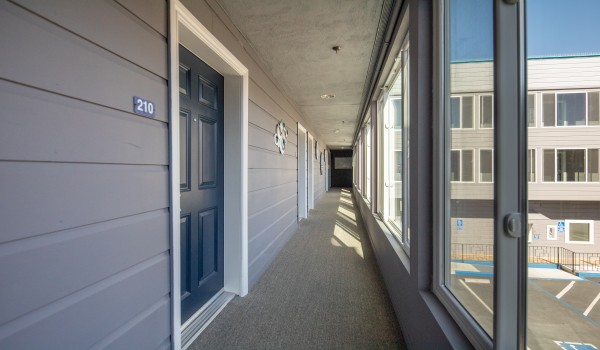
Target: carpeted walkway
pixel 323 291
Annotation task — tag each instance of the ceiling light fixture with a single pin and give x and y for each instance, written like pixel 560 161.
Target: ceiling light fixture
pixel 336 131
pixel 328 96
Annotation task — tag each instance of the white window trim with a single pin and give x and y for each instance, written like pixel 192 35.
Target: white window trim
pixel 586 161
pixel 460 109
pixel 461 165
pixel 568 227
pixel 563 92
pixel 536 109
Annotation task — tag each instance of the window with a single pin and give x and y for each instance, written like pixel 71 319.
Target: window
pixel 467 158
pixel 461 169
pixel 579 231
pixel 486 112
pixel 531 165
pixel 486 162
pixel 395 150
pixel 461 112
pixel 571 165
pixel 571 108
pixel 367 132
pixel 531 110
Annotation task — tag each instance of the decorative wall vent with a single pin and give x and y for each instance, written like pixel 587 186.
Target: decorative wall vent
pixel 280 136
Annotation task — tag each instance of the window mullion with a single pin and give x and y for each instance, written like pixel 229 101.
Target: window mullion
pixel 510 187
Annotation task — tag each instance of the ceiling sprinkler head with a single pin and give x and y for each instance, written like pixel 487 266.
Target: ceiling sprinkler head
pixel 336 48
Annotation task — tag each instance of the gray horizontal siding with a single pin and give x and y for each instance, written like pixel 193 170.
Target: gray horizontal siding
pixel 257 199
pixel 75 259
pixel 54 59
pixel 122 36
pixel 258 244
pixel 42 126
pixel 89 315
pixel 84 250
pixel 47 197
pixel 152 12
pixel 259 179
pixel 262 262
pixel 261 159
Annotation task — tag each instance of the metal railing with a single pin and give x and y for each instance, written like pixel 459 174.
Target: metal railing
pixel 563 258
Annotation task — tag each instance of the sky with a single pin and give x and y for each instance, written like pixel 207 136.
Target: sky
pixel 555 28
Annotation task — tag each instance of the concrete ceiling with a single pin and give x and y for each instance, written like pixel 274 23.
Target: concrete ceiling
pixel 294 39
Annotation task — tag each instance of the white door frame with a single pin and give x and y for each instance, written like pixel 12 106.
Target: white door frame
pixel 302 174
pixel 184 28
pixel 311 179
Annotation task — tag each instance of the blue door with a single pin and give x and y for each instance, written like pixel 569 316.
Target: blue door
pixel 201 182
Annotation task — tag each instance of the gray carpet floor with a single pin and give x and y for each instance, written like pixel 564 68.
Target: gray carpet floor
pixel 323 291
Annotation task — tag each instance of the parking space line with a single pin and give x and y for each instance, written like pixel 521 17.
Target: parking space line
pixel 564 291
pixel 587 311
pixel 476 296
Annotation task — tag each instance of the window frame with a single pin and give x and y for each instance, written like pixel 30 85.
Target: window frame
pixel 388 122
pixel 555 173
pixel 473 109
pixel 566 92
pixel 460 162
pixel 568 229
pixel 509 171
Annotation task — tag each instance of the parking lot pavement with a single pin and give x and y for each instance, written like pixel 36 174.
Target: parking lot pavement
pixel 563 310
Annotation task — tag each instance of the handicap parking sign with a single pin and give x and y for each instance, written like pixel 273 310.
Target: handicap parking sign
pixel 560 226
pixel 460 224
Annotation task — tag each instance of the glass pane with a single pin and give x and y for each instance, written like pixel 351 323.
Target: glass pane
pixel 561 37
pixel 467 165
pixel 467 112
pixel 594 108
pixel 455 112
pixel 579 232
pixel 570 109
pixel 548 165
pixel 368 160
pixel 455 166
pixel 469 222
pixel 570 165
pixel 485 165
pixel 531 110
pixel 593 165
pixel 487 109
pixel 548 109
pixel 531 165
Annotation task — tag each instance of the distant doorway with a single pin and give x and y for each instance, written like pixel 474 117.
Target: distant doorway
pixel 341 168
